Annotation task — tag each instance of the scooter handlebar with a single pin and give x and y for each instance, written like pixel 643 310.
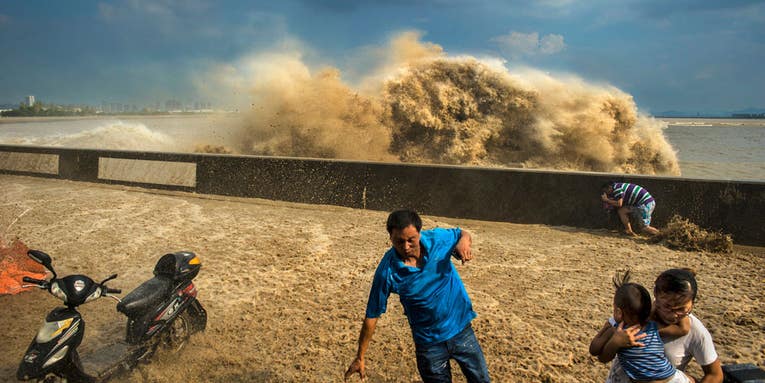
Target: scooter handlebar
pixel 110 290
pixel 35 281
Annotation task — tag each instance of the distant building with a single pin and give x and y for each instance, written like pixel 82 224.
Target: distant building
pixel 748 115
pixel 173 105
pixel 29 100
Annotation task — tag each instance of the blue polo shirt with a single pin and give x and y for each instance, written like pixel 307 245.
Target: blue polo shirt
pixel 434 298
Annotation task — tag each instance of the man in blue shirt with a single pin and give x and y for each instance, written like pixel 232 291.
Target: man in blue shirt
pixel 419 269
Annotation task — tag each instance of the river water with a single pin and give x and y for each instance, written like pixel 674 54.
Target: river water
pixel 727 149
pixel 719 148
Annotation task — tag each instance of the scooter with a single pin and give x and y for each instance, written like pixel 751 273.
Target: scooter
pixel 161 312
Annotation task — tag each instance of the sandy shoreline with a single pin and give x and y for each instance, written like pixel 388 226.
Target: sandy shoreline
pixel 285 285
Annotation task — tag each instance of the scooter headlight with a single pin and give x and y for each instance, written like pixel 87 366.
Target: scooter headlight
pixel 94 295
pixel 50 330
pixel 57 292
pixel 60 354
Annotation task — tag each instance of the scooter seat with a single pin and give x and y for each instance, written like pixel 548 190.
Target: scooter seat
pixel 146 296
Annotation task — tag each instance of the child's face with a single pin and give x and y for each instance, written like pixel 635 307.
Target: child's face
pixel 618 314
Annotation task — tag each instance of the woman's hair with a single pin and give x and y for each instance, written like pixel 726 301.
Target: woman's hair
pixel 633 299
pixel 677 281
pixel 401 219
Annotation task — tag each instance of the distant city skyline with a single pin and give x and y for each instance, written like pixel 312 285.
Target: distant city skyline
pixel 175 105
pixel 686 56
pixel 171 104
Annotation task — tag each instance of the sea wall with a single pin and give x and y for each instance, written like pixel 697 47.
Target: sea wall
pixel 511 195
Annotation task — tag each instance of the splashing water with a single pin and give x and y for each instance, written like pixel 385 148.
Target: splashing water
pixel 296 113
pixel 464 112
pixel 421 106
pixel 114 135
pixel 412 103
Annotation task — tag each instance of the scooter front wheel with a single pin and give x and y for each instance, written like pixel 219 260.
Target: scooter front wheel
pixel 178 333
pixel 52 379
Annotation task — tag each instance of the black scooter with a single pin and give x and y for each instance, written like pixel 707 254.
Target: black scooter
pixel 161 312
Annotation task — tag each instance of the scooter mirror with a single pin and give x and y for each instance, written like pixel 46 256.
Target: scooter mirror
pixel 41 258
pixel 109 278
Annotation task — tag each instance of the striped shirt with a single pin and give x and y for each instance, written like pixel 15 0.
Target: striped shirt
pixel 633 195
pixel 648 362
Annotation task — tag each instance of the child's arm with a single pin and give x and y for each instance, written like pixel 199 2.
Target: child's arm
pixel 600 340
pixel 611 202
pixel 621 337
pixel 681 328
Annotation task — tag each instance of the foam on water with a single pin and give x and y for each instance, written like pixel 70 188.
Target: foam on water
pixel 116 135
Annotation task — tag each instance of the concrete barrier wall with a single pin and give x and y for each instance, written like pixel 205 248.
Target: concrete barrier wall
pixel 511 195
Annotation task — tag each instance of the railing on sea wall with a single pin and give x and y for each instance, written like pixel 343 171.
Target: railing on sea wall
pixel 509 195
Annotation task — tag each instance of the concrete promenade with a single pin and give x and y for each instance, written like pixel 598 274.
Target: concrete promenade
pixel 507 195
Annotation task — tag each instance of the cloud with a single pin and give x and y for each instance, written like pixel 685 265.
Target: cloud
pixel 164 14
pixel 659 8
pixel 559 4
pixel 706 73
pixel 551 44
pixel 519 44
pixel 107 12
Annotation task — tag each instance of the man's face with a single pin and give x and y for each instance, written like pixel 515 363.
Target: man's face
pixel 406 241
pixel 671 308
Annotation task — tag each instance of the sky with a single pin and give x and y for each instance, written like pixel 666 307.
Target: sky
pixel 681 55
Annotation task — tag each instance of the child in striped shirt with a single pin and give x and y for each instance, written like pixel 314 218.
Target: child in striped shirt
pixel 645 362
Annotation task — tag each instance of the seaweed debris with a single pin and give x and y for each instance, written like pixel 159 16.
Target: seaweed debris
pixel 682 234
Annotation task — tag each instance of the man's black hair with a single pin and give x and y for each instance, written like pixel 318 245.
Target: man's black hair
pixel 632 298
pixel 401 219
pixel 680 282
pixel 607 184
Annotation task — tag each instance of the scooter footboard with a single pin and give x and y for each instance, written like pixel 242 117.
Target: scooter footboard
pixel 135 329
pixel 198 316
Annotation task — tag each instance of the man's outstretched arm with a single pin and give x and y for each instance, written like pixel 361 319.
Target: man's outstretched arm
pixel 464 252
pixel 367 330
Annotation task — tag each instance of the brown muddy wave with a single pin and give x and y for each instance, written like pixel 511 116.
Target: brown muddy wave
pixel 422 106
